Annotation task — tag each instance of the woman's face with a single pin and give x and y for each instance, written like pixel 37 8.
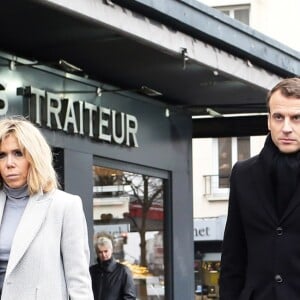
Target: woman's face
pixel 13 164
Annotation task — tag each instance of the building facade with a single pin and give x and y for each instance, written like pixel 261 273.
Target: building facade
pixel 264 17
pixel 114 86
pixel 106 149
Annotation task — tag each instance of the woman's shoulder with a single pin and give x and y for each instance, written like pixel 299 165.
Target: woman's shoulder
pixel 64 203
pixel 62 197
pixel 63 194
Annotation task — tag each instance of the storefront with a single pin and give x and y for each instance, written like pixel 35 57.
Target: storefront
pixel 208 236
pixel 123 141
pixel 127 158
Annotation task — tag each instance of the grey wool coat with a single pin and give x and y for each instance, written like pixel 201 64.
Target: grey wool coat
pixel 49 258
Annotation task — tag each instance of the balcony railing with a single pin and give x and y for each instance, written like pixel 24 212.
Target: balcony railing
pixel 216 187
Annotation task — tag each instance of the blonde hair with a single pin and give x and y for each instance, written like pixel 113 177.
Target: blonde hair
pixel 41 173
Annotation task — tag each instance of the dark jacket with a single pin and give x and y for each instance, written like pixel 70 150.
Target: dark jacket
pixel 112 281
pixel 261 250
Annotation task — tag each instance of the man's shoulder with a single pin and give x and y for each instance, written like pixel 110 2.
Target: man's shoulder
pixel 123 267
pixel 248 162
pixel 245 166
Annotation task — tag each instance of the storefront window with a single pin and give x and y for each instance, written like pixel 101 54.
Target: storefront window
pixel 225 161
pixel 230 150
pixel 207 279
pixel 129 208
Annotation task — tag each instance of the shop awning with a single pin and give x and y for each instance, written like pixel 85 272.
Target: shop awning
pixel 180 53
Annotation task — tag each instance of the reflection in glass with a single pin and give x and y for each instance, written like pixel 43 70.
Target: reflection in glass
pixel 231 150
pixel 129 208
pixel 225 161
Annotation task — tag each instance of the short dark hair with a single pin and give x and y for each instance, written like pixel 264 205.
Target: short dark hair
pixel 289 87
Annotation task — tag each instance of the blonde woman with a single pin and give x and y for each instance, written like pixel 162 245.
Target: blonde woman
pixel 44 252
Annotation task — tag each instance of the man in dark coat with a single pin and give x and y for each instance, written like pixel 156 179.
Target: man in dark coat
pixel 261 246
pixel 110 280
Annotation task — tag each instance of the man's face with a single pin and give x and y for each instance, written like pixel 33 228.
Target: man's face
pixel 104 253
pixel 284 122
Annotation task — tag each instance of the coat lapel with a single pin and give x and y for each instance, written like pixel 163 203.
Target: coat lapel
pixel 265 191
pixel 295 201
pixel 2 204
pixel 30 223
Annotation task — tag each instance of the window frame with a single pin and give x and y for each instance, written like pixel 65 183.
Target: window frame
pixel 231 9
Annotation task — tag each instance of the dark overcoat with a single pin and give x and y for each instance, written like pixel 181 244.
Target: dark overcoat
pixel 113 281
pixel 261 251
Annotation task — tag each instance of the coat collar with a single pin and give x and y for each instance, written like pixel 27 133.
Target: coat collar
pixel 109 267
pixel 264 188
pixel 30 223
pixel 266 196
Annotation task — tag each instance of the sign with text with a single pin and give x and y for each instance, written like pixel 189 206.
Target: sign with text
pixel 79 117
pixel 209 229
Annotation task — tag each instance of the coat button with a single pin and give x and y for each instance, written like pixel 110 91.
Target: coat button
pixel 278 278
pixel 279 230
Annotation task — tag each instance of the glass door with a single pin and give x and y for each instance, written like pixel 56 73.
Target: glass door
pixel 128 207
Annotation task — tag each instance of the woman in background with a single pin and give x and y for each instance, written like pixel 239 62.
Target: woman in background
pixel 44 252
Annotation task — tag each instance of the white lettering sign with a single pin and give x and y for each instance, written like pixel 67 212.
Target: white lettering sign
pixel 79 117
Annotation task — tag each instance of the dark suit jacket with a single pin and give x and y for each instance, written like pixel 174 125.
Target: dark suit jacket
pixel 261 252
